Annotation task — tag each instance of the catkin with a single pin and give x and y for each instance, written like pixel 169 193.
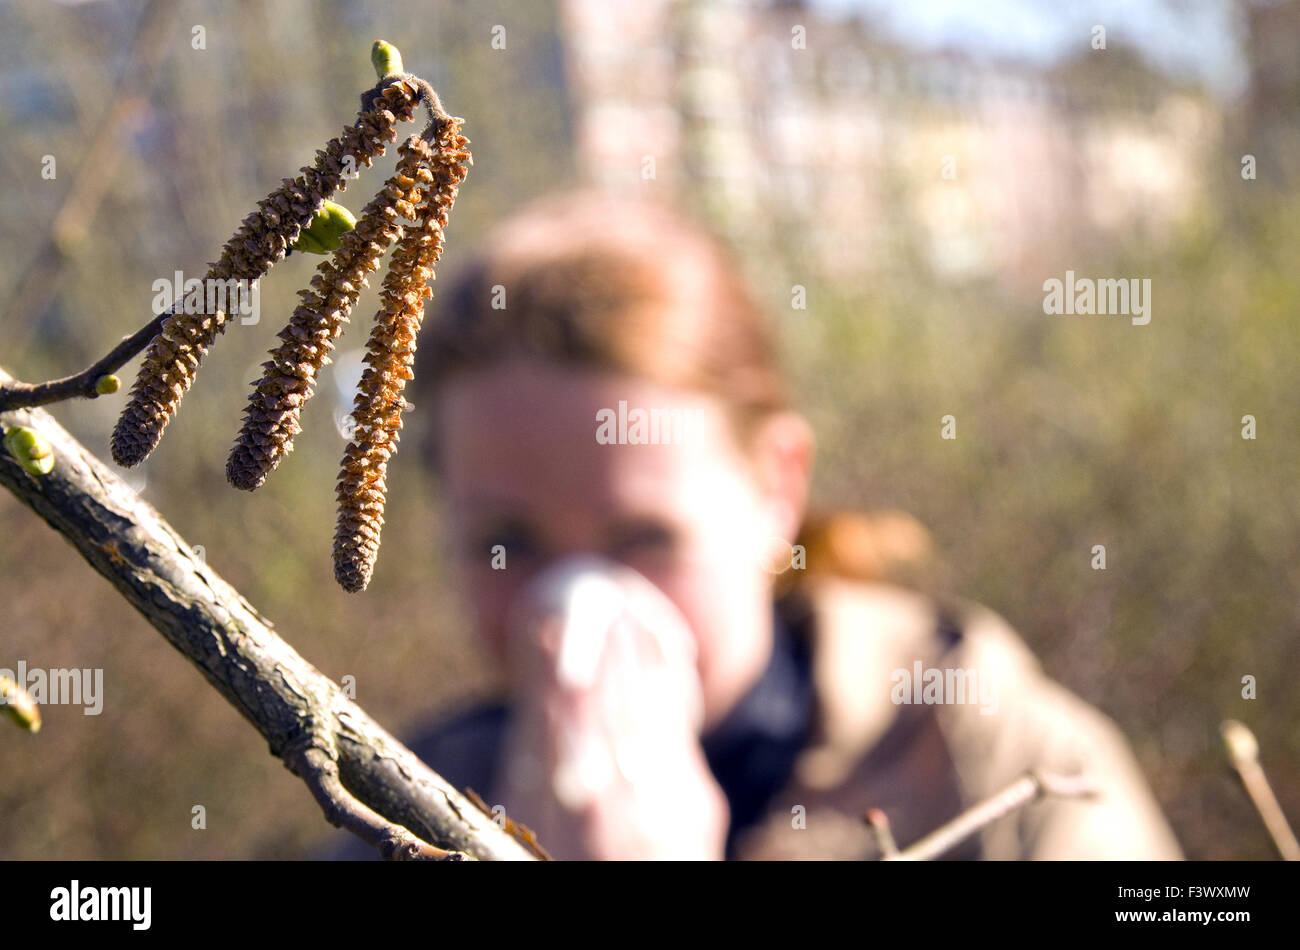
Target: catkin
pixel 438 170
pixel 271 418
pixel 173 356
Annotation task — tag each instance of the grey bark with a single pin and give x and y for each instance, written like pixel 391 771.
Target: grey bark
pixel 304 716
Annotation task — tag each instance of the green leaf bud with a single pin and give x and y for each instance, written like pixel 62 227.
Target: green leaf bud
pixel 385 58
pixel 30 449
pixel 326 229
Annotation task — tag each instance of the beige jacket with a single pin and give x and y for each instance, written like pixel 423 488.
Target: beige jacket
pixel 924 763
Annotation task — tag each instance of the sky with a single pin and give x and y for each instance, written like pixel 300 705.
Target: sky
pixel 1199 39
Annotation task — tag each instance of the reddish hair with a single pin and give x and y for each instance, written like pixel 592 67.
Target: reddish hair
pixel 630 285
pixel 624 284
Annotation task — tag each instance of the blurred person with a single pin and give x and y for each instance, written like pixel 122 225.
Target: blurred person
pixel 696 667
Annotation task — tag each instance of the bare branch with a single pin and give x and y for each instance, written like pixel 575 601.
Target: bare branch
pixel 16 395
pixel 878 822
pixel 363 778
pixel 1029 787
pixel 321 773
pixel 1243 751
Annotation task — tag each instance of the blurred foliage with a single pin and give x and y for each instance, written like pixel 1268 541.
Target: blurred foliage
pixel 1082 430
pixel 1072 431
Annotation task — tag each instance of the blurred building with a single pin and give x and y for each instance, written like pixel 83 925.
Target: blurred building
pixel 1270 121
pixel 845 149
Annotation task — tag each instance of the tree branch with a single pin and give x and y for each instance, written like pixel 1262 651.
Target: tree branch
pixel 1019 793
pixel 878 822
pixel 363 778
pixel 1243 752
pixel 321 773
pixel 17 395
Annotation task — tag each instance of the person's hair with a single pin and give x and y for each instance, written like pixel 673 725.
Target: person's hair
pixel 589 279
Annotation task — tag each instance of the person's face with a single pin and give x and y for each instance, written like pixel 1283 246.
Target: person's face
pixel 525 476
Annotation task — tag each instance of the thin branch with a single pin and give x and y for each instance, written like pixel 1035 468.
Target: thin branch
pixel 321 773
pixel 1243 751
pixel 16 395
pixel 1028 788
pixel 878 822
pixel 363 778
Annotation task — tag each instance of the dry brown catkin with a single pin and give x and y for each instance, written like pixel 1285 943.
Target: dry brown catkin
pixel 173 356
pixel 390 353
pixel 271 418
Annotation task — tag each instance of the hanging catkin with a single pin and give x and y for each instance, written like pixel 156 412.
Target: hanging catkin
pixel 390 352
pixel 174 354
pixel 271 418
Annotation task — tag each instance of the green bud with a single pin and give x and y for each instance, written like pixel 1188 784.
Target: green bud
pixel 30 449
pixel 107 385
pixel 385 58
pixel 329 225
pixel 18 706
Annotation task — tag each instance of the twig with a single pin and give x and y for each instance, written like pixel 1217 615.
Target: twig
pixel 1021 792
pixel 16 395
pixel 1243 752
pixel 878 822
pixel 321 773
pixel 363 778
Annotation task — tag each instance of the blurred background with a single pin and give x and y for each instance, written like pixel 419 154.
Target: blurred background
pixel 919 169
